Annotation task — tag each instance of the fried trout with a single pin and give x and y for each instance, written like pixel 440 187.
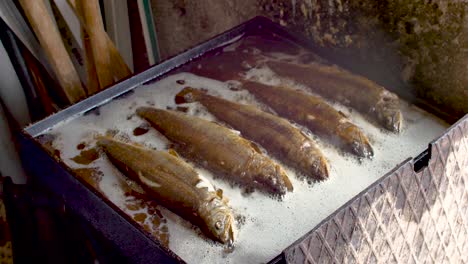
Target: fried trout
pixel 274 133
pixel 315 114
pixel 336 84
pixel 176 185
pixel 219 149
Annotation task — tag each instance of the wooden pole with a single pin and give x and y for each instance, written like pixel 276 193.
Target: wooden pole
pixel 50 40
pixel 95 27
pixel 91 74
pixel 119 68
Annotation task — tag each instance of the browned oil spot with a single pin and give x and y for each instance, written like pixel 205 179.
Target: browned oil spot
pixel 57 154
pixel 152 210
pixel 81 146
pixel 181 82
pixel 165 229
pixel 47 141
pixel 86 156
pixel 92 176
pixel 137 201
pixel 140 217
pixel 132 207
pixel 164 239
pixel 140 130
pixel 156 221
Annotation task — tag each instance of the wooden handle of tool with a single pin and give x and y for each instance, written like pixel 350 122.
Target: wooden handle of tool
pixel 50 40
pixel 91 72
pixel 92 81
pixel 119 68
pixel 95 27
pixel 36 75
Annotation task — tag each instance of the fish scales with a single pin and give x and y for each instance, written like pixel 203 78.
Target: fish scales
pixel 314 113
pixel 275 134
pixel 219 149
pixel 174 184
pixel 364 95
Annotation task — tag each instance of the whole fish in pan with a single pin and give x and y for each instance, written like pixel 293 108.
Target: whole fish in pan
pixel 176 185
pixel 315 114
pixel 355 91
pixel 219 149
pixel 274 133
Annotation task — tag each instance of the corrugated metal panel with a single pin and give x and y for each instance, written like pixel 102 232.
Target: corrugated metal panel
pixel 407 217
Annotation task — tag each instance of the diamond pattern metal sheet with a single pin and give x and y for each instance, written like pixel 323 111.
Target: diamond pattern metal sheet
pixel 406 217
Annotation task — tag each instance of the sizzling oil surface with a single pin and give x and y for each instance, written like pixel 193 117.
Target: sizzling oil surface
pixel 259 237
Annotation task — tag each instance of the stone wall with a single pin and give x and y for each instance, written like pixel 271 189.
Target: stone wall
pixel 417 45
pixel 420 46
pixel 184 23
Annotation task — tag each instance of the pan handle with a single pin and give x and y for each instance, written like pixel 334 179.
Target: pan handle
pixel 422 160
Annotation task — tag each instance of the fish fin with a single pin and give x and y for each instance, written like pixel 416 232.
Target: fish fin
pixel 173 152
pixel 187 95
pixel 221 124
pixel 255 147
pixel 343 114
pixel 304 134
pixel 219 193
pixel 132 185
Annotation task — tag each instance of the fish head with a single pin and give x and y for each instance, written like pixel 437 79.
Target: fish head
pixel 220 222
pixel 388 112
pixel 312 164
pixel 319 168
pixel 391 119
pixel 355 141
pixel 272 180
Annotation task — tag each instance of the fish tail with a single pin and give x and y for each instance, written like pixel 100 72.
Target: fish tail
pixel 284 178
pixel 287 183
pixel 104 139
pixel 143 111
pixel 322 168
pixel 187 95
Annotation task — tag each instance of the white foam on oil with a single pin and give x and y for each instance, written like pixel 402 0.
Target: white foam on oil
pixel 270 225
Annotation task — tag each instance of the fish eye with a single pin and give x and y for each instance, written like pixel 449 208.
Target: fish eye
pixel 218 225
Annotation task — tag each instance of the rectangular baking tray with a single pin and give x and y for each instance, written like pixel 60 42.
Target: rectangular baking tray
pixel 124 233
